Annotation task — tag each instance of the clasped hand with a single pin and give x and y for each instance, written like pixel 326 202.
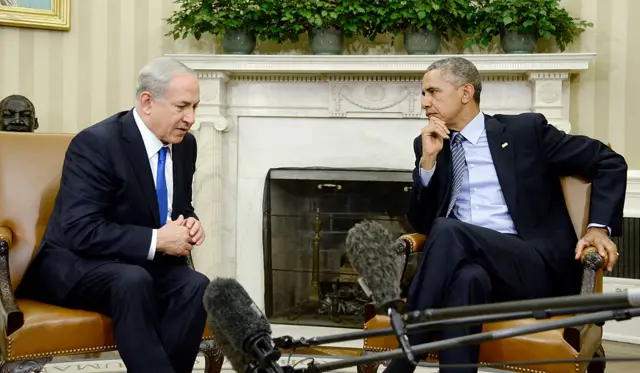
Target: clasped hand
pixel 177 237
pixel 599 238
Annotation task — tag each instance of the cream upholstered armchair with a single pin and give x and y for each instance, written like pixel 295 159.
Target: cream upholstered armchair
pixel 569 343
pixel 32 333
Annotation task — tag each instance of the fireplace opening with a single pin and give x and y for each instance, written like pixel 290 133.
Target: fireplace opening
pixel 307 213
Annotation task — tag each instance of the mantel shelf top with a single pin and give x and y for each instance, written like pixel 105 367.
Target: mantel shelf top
pixel 381 64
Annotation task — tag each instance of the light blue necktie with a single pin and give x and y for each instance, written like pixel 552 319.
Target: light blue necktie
pixel 161 186
pixel 459 163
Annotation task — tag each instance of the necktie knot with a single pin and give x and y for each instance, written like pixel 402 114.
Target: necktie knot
pixel 459 138
pixel 162 154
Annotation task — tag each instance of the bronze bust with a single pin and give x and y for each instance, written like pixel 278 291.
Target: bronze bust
pixel 18 114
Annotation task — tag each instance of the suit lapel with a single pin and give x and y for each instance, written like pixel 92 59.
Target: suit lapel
pixel 501 147
pixel 137 154
pixel 177 158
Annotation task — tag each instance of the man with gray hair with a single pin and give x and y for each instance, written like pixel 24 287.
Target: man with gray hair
pixel 487 193
pixel 123 225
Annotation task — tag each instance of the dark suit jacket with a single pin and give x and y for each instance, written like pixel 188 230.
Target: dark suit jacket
pixel 106 207
pixel 528 170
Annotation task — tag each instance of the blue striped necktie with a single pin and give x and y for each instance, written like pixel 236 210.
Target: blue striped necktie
pixel 161 186
pixel 458 163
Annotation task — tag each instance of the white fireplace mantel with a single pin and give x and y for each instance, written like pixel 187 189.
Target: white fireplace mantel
pixel 382 64
pixel 263 111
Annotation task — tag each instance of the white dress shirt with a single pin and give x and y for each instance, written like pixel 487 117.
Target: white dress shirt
pixel 153 145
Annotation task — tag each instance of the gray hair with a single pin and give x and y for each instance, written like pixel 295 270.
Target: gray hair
pixel 156 75
pixel 459 71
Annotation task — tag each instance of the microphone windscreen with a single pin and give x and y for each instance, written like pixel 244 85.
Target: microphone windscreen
pixel 369 247
pixel 237 317
pixel 236 358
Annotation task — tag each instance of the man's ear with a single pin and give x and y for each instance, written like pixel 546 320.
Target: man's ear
pixel 467 93
pixel 146 101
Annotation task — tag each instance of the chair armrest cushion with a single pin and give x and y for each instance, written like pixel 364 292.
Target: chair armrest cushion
pixel 415 241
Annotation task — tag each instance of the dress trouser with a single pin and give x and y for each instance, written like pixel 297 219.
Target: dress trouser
pixel 156 310
pixel 463 264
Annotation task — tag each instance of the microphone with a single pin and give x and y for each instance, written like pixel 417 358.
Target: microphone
pixel 234 316
pixel 370 248
pixel 616 300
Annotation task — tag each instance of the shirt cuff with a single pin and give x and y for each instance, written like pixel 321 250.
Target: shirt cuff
pixel 596 225
pixel 425 175
pixel 152 247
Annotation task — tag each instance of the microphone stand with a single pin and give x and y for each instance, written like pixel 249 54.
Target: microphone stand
pixel 618 300
pixel 423 349
pixel 288 342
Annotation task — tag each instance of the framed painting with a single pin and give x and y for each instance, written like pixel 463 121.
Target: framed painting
pixel 40 14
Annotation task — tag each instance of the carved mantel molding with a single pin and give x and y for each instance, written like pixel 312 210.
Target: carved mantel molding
pixel 381 64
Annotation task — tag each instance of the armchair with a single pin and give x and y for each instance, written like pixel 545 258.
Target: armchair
pixel 31 332
pixel 585 341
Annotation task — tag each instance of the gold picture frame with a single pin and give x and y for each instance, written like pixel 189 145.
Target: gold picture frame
pixel 37 14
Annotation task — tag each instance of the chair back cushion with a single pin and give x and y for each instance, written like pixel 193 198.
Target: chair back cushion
pixel 30 168
pixel 577 195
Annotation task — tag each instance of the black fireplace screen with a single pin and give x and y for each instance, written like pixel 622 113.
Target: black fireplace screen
pixel 307 213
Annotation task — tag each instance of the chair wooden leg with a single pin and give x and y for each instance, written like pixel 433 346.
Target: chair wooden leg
pixel 213 358
pixel 597 366
pixel 24 366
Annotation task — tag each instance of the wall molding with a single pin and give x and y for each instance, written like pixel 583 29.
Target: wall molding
pixel 632 201
pixel 627 331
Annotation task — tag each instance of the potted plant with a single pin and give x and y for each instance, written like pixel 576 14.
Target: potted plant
pixel 327 22
pixel 319 18
pixel 237 22
pixel 520 23
pixel 425 22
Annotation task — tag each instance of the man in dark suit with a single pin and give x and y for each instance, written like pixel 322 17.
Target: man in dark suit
pixel 123 225
pixel 487 192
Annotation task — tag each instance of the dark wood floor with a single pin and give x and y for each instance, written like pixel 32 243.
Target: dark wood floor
pixel 615 349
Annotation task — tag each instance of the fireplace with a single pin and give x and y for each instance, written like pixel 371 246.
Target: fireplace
pixel 307 213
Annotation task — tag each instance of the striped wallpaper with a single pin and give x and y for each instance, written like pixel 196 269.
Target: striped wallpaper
pixel 78 77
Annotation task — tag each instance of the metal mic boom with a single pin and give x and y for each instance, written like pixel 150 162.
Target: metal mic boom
pixel 423 349
pixel 287 342
pixel 628 298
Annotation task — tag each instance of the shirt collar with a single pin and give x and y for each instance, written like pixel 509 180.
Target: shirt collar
pixel 474 129
pixel 151 143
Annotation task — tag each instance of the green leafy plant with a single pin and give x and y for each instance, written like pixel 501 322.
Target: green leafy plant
pixel 543 18
pixel 196 17
pixel 446 16
pixel 299 16
pixel 295 17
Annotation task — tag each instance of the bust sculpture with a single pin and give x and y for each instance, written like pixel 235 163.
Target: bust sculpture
pixel 18 114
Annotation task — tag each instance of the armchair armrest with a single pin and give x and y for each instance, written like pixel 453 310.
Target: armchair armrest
pixel 592 273
pixel 413 241
pixel 12 317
